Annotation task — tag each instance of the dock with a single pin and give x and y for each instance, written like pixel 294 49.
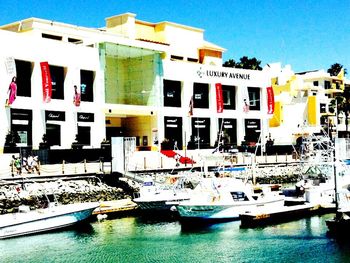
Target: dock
pixel 115 207
pixel 279 215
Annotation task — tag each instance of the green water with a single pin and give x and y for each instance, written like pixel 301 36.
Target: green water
pixel 139 239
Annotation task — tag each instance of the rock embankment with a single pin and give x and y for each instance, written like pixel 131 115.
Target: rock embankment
pixel 38 195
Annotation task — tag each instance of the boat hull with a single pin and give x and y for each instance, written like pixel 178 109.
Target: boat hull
pixel 220 212
pixel 18 224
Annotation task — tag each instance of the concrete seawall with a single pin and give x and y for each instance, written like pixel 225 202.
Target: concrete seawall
pixel 151 160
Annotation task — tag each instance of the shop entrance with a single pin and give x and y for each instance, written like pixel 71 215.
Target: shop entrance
pixel 228 127
pixel 173 132
pixel 201 132
pixel 252 130
pixel 21 123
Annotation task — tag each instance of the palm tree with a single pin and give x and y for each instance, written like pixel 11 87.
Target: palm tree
pixel 335 69
pixel 249 63
pixel 245 63
pixel 231 63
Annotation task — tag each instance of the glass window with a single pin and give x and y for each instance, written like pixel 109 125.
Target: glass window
pixel 57 80
pixel 254 98
pixel 24 71
pixel 84 135
pixel 201 95
pixel 252 130
pixel 53 134
pixel 172 93
pixel 327 84
pixel 86 85
pixel 229 96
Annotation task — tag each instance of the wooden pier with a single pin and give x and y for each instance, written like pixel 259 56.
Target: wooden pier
pixel 279 215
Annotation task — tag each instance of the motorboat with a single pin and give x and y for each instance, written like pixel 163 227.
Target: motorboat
pixel 55 216
pixel 340 224
pixel 316 187
pixel 154 196
pixel 223 199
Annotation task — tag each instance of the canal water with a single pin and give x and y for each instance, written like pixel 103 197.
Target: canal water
pixel 141 239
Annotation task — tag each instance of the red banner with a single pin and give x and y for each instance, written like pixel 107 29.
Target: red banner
pixel 219 98
pixel 46 80
pixel 270 100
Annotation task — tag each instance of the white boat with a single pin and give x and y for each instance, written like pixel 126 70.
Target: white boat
pixel 27 222
pixel 216 199
pixel 162 197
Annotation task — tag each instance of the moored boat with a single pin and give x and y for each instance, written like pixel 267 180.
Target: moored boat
pixel 53 217
pixel 162 197
pixel 224 199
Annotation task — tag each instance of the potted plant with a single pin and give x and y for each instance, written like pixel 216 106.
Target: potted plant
pixel 11 140
pixel 44 144
pixel 76 145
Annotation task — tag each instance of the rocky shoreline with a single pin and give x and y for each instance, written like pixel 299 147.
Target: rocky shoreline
pixel 38 195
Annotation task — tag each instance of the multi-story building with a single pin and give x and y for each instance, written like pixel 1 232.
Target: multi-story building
pixel 134 78
pixel 305 103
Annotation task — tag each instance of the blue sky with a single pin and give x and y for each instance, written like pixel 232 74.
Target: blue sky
pixel 307 34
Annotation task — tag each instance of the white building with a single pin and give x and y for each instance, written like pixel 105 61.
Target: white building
pixel 135 79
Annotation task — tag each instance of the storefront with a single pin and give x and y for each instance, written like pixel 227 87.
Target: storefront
pixel 228 129
pixel 84 127
pixel 201 132
pixel 252 130
pixel 53 120
pixel 173 131
pixel 21 122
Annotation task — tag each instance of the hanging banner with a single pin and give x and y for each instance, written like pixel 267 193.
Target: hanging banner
pixel 219 98
pixel 77 96
pixel 10 66
pixel 270 100
pixel 46 80
pixel 246 102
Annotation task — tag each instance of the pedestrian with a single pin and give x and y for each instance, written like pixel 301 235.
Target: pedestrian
pixel 18 165
pixel 30 163
pixel 36 165
pixel 12 165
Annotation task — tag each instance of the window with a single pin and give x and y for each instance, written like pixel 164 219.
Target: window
pixel 173 57
pixel 84 135
pixel 75 41
pixel 323 108
pixel 43 35
pixel 327 84
pixel 86 85
pixel 254 98
pixel 21 123
pixel 192 59
pixel 53 134
pixel 315 83
pixel 229 96
pixel 57 80
pixel 172 93
pixel 24 71
pixel 252 130
pixel 201 95
pixel 239 196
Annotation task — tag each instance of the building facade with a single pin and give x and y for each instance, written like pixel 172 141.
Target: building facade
pixel 158 82
pixel 305 104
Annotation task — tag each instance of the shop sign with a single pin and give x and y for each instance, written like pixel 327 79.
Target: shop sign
pixel 85 117
pixel 223 74
pixel 55 116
